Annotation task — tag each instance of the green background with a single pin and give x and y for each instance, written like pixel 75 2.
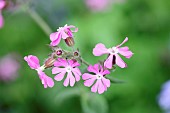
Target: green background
pixel 145 22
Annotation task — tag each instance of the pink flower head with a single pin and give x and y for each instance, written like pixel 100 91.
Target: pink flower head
pixel 62 32
pixel 113 52
pixel 33 62
pixel 9 66
pixel 69 67
pixel 2 5
pixel 98 80
pixel 97 5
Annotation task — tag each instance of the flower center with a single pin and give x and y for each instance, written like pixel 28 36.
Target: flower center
pixel 68 69
pixel 113 50
pixel 60 28
pixel 99 76
pixel 41 68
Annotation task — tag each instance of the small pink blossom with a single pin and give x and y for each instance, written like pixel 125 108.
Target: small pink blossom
pixel 33 62
pixel 100 49
pixel 66 66
pixel 98 80
pixel 62 32
pixel 97 5
pixel 2 5
pixel 9 66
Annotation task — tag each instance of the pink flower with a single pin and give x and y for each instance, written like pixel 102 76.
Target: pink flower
pixel 9 66
pixel 62 32
pixel 33 62
pixel 97 5
pixel 46 80
pixel 69 67
pixel 100 49
pixel 2 5
pixel 98 80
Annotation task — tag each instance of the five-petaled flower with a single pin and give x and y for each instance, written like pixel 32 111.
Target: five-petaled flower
pixel 2 5
pixel 101 83
pixel 65 33
pixel 62 67
pixel 100 49
pixel 33 62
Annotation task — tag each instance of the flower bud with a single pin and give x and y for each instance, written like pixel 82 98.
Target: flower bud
pixel 69 41
pixel 76 53
pixel 49 62
pixel 59 52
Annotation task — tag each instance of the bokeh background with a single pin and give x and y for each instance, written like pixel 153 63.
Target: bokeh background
pixel 145 22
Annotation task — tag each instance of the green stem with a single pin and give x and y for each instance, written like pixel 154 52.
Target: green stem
pixel 37 18
pixel 84 62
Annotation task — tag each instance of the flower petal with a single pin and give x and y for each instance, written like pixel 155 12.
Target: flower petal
pixel 105 72
pixel 72 79
pixel 109 62
pixel 94 69
pixel 89 82
pixel 86 76
pixel 127 54
pixel 125 40
pixel 60 76
pixel 50 82
pixel 60 62
pixel 53 36
pixel 64 35
pixel 101 87
pixel 55 41
pixel 32 61
pixel 120 62
pixel 73 63
pixel 75 29
pixel 123 48
pixel 106 82
pixel 2 4
pixel 46 80
pixel 100 49
pixel 56 70
pixel 77 73
pixel 66 81
pixel 95 87
pixel 1 20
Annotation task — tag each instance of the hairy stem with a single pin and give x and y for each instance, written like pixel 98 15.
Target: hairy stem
pixel 84 62
pixel 37 18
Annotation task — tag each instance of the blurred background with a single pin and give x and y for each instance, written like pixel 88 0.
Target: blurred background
pixel 145 22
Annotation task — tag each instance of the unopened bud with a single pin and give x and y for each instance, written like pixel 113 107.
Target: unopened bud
pixel 76 53
pixel 49 62
pixel 59 52
pixel 69 41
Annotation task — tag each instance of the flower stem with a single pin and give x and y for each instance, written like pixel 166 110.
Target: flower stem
pixel 84 62
pixel 37 18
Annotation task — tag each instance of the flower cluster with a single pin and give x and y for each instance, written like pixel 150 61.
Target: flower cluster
pixel 65 64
